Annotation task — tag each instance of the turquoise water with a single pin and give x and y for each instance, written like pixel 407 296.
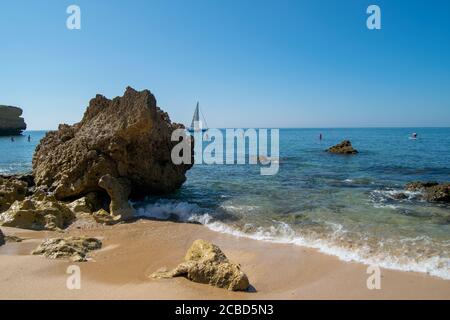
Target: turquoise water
pixel 341 205
pixel 16 156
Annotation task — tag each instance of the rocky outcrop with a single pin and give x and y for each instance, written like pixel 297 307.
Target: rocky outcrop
pixel 87 204
pixel 345 147
pixel 73 248
pixel 13 188
pixel 121 145
pixel 206 263
pixel 118 190
pixel 37 212
pixel 431 191
pixel 11 122
pixel 104 217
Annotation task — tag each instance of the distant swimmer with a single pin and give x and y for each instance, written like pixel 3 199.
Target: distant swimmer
pixel 414 135
pixel 320 137
pixel 29 138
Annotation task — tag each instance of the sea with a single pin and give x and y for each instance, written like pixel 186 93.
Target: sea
pixel 344 206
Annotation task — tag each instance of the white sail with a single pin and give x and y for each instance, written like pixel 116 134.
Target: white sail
pixel 196 123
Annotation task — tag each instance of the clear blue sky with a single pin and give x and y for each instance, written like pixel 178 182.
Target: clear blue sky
pixel 250 63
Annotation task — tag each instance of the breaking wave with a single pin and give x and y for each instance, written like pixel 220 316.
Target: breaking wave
pixel 331 243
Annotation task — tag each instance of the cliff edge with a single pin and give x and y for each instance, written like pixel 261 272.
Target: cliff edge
pixel 11 122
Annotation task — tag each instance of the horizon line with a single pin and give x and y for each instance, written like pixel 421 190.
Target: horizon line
pixel 338 127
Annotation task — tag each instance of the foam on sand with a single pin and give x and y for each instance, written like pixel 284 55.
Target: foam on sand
pixel 281 232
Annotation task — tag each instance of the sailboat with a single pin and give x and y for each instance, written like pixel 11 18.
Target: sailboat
pixel 197 124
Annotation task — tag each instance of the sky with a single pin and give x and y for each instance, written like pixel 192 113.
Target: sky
pixel 250 63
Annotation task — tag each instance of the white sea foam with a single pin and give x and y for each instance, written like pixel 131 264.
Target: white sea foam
pixel 281 232
pixel 238 208
pixel 395 194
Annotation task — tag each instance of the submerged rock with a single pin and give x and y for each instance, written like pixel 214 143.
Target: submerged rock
pixel 72 248
pixel 11 122
pixel 127 139
pixel 345 147
pixel 206 263
pixel 432 191
pixel 419 186
pixel 37 212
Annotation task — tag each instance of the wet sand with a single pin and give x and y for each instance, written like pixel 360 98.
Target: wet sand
pixel 134 250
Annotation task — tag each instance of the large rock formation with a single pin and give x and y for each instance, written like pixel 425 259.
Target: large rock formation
pixel 206 263
pixel 345 147
pixel 72 248
pixel 120 144
pixel 432 191
pixel 11 122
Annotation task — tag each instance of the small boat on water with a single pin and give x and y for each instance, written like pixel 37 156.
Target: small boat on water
pixel 197 124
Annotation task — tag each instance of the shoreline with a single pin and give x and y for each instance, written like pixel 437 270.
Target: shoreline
pixel 132 251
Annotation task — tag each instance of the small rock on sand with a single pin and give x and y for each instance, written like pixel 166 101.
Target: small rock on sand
pixel 74 248
pixel 206 263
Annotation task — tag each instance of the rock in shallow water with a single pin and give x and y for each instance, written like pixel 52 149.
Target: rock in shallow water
pixel 432 191
pixel 127 138
pixel 206 263
pixel 73 248
pixel 345 147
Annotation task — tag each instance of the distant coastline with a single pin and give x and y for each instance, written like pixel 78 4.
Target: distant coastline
pixel 11 122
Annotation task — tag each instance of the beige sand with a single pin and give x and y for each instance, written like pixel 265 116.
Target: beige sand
pixel 132 251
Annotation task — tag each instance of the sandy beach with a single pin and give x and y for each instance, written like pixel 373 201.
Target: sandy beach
pixel 134 250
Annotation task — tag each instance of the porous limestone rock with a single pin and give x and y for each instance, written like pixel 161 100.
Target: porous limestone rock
pixel 11 122
pixel 431 191
pixel 104 217
pixel 72 248
pixel 12 188
pixel 87 204
pixel 127 138
pixel 345 147
pixel 206 263
pixel 118 191
pixel 37 212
